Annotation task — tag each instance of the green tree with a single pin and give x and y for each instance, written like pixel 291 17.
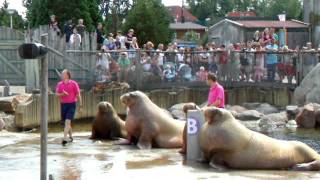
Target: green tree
pixel 114 12
pixel 150 19
pixel 293 8
pixel 17 20
pixel 218 9
pixel 39 11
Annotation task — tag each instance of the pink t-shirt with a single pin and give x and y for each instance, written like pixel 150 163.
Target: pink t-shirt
pixel 71 87
pixel 216 92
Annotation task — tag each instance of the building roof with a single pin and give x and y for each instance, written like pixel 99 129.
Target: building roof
pixel 273 24
pixel 265 23
pixel 242 14
pixel 177 11
pixel 186 26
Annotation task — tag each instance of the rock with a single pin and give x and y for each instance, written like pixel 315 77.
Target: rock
pixel 249 115
pixel 252 125
pixel 203 104
pixel 309 116
pixel 177 111
pixel 274 120
pixel 177 107
pixel 309 89
pixel 8 121
pixel 236 108
pixel 178 114
pixel 267 109
pixel 2 124
pixel 9 104
pixel 251 105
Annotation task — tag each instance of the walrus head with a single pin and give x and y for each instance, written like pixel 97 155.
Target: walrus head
pixel 213 114
pixel 189 106
pixel 131 98
pixel 105 107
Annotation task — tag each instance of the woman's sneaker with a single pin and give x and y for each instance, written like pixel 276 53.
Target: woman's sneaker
pixel 64 142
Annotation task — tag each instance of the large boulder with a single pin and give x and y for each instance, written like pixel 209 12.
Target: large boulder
pixel 177 111
pixel 266 108
pixel 309 117
pixel 7 122
pixel 252 105
pixel 236 108
pixel 249 115
pixel 273 120
pixel 309 89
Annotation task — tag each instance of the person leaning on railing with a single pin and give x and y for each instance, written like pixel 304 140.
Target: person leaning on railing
pixel 259 62
pixel 223 60
pixel 124 64
pixel 271 59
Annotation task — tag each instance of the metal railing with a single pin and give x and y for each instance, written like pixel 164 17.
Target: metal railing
pixel 151 69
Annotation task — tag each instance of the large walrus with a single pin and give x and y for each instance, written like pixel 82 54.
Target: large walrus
pixel 147 123
pixel 227 143
pixel 107 124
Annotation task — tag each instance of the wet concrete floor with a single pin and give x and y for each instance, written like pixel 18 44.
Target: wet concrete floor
pixel 86 159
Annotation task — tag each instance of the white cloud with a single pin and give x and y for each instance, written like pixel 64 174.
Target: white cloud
pixel 172 2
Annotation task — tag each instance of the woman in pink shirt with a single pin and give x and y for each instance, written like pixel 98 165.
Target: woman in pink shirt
pixel 69 93
pixel 216 93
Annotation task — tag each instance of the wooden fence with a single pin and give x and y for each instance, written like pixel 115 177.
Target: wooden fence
pixel 12 67
pixel 80 64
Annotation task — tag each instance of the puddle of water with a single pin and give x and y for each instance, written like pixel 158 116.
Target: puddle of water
pixel 144 164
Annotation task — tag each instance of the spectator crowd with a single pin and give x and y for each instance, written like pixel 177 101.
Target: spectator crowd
pixel 120 57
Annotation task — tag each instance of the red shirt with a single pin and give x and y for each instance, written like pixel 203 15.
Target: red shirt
pixel 223 57
pixel 71 87
pixel 216 92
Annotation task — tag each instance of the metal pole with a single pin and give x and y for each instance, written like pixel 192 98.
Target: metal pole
pixel 44 113
pixel 11 25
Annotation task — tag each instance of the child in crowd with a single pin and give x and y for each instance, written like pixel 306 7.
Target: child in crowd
pixel 202 74
pixel 259 63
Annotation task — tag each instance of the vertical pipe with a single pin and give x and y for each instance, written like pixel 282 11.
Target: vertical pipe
pixel 44 113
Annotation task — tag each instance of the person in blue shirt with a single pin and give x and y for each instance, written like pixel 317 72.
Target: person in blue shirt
pixel 271 59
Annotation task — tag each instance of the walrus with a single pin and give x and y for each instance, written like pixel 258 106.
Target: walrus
pixel 107 123
pixel 227 143
pixel 147 123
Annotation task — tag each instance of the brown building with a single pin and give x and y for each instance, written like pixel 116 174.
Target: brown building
pixel 232 31
pixel 177 12
pixel 181 29
pixel 242 14
pixel 184 22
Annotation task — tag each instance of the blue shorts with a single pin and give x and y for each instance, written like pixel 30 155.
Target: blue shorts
pixel 68 111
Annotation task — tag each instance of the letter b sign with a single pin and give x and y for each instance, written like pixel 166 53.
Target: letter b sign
pixel 193 126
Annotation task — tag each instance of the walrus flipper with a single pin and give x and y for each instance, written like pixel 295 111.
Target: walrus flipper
pixel 311 166
pixel 145 141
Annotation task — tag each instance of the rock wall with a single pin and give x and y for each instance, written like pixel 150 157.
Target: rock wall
pixel 309 89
